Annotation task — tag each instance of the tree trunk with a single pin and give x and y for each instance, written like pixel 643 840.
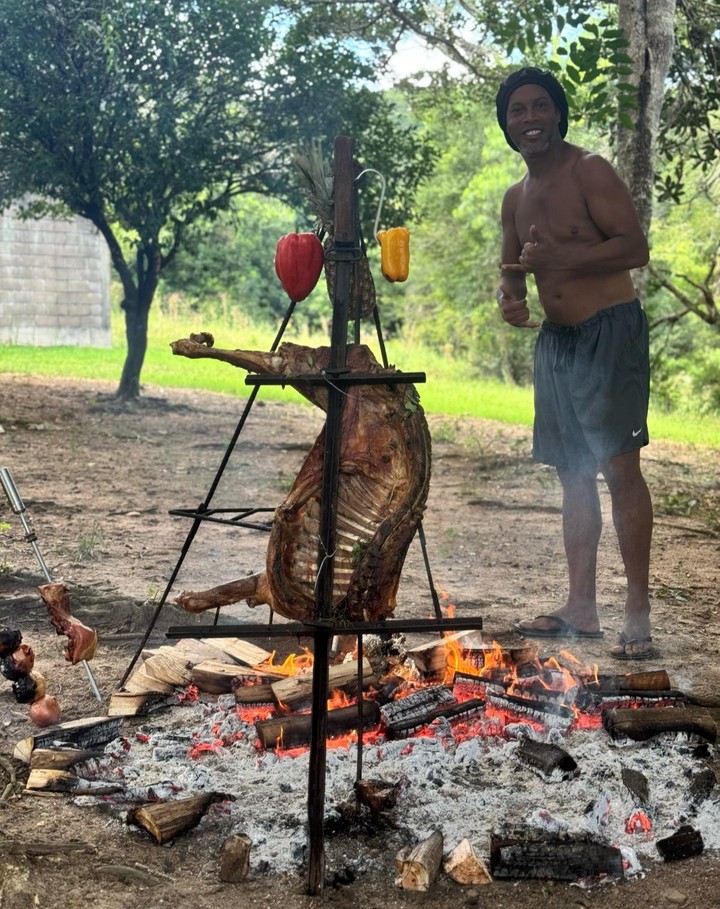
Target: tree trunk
pixel 649 26
pixel 137 303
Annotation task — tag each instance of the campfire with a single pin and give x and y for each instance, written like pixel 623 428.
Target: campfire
pixel 515 763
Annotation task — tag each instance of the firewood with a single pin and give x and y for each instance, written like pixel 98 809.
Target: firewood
pixel 60 758
pixel 218 678
pixel 549 714
pixel 198 651
pixel 532 853
pixel 294 730
pixel 244 652
pixel 295 693
pixel 547 758
pixel 431 656
pixel 654 680
pixel 419 866
pixel 254 694
pixel 643 723
pixel 416 706
pixel 64 781
pixel 168 667
pixel 165 820
pixel 235 858
pixel 141 703
pixel 684 843
pixel 463 865
pixel 141 682
pixel 85 733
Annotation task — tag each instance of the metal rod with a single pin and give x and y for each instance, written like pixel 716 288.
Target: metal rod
pixel 307 629
pixel 18 506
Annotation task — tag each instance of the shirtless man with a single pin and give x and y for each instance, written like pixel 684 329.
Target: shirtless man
pixel 571 223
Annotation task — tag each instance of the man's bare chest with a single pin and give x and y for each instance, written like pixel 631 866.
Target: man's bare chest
pixel 557 210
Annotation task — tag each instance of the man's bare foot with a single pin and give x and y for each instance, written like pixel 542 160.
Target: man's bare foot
pixel 555 626
pixel 626 648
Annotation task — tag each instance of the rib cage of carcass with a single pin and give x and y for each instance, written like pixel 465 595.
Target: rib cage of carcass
pixel 384 477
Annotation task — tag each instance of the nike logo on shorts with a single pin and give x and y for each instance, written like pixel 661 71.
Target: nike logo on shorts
pixel 636 432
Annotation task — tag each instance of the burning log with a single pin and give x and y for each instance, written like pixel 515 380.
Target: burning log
pixel 538 854
pixel 463 866
pixel 294 731
pixel 249 693
pixel 684 843
pixel 655 680
pixel 419 866
pixel 549 714
pixel 82 641
pixel 411 712
pixel 547 758
pixel 383 486
pixel 222 678
pixel 644 723
pixel 431 657
pixel 84 734
pixel 295 692
pixel 166 820
pixel 235 858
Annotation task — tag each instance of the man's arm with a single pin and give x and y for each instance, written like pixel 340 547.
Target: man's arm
pixel 512 290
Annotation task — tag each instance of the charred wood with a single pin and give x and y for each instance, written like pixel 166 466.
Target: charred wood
pixel 636 783
pixel 294 730
pixel 702 784
pixel 416 706
pixel 84 734
pixel 553 715
pixel 537 854
pixel 684 843
pixel 646 722
pixel 549 759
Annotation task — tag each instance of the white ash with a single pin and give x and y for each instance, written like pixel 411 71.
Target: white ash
pixel 465 788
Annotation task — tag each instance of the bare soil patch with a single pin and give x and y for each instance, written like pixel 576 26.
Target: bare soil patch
pixel 99 480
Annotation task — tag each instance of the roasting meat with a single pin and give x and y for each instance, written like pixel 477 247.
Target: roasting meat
pixel 382 491
pixel 82 640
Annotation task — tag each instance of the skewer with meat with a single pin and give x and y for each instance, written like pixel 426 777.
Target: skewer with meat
pixel 82 641
pixel 382 490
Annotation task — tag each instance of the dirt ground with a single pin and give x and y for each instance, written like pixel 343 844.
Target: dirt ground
pixel 98 482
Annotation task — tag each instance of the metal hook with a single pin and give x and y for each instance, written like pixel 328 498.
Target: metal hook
pixel 371 170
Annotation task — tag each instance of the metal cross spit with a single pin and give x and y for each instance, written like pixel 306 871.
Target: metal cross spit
pixel 18 506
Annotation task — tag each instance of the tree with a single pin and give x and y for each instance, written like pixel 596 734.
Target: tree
pixel 145 117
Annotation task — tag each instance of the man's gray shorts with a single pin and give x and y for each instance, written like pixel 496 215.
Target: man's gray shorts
pixel 592 386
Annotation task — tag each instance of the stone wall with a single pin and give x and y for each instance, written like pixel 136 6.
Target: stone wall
pixel 54 283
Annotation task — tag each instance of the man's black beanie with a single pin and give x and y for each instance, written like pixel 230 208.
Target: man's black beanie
pixel 529 75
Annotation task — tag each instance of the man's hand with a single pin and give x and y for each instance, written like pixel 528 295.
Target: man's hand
pixel 514 312
pixel 538 254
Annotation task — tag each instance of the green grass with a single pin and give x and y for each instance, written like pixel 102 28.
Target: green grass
pixel 449 389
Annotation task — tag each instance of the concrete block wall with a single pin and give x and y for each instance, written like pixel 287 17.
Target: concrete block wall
pixel 54 283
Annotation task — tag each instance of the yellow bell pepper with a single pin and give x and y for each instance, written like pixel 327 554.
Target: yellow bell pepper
pixel 395 253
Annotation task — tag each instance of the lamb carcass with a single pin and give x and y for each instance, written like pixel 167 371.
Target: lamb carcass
pixel 382 491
